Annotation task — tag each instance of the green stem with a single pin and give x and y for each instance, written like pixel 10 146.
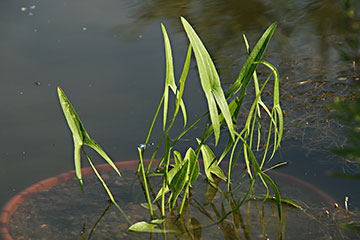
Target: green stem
pixel 145 183
pixel 105 186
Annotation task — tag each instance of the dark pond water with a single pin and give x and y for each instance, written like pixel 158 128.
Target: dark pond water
pixel 108 57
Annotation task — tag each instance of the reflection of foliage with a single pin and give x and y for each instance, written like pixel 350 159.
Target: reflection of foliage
pixel 316 46
pixel 351 26
pixel 348 112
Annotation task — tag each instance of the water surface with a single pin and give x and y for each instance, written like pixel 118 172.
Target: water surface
pixel 108 57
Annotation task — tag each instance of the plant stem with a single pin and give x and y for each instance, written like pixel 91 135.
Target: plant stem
pixel 145 183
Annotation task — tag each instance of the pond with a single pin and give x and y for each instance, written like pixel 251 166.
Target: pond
pixel 108 57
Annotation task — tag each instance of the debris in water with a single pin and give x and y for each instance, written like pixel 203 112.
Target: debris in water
pixel 303 82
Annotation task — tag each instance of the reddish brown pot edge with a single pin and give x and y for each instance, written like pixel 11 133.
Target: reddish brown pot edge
pixel 12 205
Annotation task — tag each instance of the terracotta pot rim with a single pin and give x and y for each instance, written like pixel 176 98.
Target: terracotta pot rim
pixel 12 205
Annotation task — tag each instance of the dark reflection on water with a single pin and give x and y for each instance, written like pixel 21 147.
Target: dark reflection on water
pixel 108 57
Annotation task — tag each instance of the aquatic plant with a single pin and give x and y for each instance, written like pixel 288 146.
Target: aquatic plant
pixel 179 172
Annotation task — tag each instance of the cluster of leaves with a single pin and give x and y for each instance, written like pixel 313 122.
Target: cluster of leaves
pixel 223 109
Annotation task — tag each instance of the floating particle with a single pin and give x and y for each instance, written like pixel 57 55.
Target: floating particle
pixel 84 28
pixel 44 226
pixel 35 30
pixel 346 204
pixel 32 7
pixel 37 83
pixel 336 205
pixel 342 78
pixel 23 9
pixel 304 82
pixel 31 14
pixel 140 36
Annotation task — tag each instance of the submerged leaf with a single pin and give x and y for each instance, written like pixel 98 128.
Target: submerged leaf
pixel 194 229
pixel 152 227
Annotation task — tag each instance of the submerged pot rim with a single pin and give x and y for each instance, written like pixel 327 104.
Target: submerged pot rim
pixel 12 205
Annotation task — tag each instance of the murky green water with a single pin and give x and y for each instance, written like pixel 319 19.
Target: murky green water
pixel 108 57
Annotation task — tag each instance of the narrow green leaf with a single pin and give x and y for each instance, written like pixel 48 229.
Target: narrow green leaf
pixel 210 82
pixel 276 191
pixel 279 125
pixel 76 127
pixel 250 65
pixel 291 203
pixel 77 161
pixel 94 145
pixel 80 136
pixel 71 116
pixel 182 80
pixel 275 166
pixel 170 78
pixel 105 187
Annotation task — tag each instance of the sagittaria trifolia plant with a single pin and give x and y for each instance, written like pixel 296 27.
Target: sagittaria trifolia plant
pixel 222 109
